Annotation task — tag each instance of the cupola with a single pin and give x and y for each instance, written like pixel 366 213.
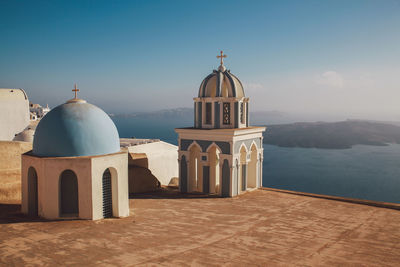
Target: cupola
pixel 221 102
pixel 221 83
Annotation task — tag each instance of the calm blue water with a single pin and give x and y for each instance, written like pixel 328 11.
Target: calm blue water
pixel 365 172
pixel 150 128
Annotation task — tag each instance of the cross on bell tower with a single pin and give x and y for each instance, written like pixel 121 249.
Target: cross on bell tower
pixel 76 90
pixel 222 56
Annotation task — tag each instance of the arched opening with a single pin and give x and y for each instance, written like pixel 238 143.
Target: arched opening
pixel 195 170
pixel 208 113
pixel 107 194
pixel 69 204
pixel 252 169
pixel 215 169
pixel 260 170
pixel 236 183
pixel 243 169
pixel 32 192
pixel 183 176
pixel 226 181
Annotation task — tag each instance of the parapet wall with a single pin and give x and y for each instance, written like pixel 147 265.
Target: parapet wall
pixel 159 157
pixel 387 205
pixel 10 169
pixel 10 154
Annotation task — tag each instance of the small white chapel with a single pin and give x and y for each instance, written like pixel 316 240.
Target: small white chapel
pixel 76 169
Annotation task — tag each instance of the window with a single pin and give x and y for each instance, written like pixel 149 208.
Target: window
pixel 227 113
pixel 208 113
pixel 242 112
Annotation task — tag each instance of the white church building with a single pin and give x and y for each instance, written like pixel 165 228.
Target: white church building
pixel 76 169
pixel 221 154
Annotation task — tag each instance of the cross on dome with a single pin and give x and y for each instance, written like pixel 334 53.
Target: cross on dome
pixel 222 56
pixel 76 90
pixel 76 99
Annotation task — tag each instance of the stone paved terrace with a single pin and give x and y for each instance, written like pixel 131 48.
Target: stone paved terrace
pixel 260 228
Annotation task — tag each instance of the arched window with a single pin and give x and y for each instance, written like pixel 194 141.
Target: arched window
pixel 32 192
pixel 69 204
pixel 107 194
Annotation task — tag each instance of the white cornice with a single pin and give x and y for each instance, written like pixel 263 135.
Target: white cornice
pixel 219 134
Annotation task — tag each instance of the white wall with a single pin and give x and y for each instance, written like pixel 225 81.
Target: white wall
pixel 118 164
pixel 14 113
pixel 162 159
pixel 89 171
pixel 48 172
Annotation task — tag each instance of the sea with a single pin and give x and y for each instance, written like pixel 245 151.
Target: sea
pixel 363 172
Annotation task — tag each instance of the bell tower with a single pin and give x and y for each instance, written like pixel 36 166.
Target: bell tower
pixel 221 154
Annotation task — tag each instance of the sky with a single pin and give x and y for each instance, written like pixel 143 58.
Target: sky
pixel 335 59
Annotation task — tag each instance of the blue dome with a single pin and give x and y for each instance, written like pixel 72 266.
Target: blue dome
pixel 74 129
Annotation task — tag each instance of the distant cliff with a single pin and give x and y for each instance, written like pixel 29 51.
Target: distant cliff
pixel 184 113
pixel 336 135
pixel 256 118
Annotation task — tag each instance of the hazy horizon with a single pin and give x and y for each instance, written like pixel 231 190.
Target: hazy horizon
pixel 328 60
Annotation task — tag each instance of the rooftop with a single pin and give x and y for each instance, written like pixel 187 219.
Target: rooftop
pixel 12 94
pixel 260 227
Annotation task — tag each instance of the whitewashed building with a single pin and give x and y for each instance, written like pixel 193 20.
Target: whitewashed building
pixel 14 112
pixel 221 154
pixel 38 110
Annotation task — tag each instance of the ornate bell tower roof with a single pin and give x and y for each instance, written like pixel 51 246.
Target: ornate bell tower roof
pixel 221 83
pixel 221 102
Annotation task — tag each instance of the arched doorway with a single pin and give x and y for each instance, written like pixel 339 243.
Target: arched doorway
pixel 243 169
pixel 252 168
pixel 215 173
pixel 69 205
pixel 107 194
pixel 32 192
pixel 195 170
pixel 183 180
pixel 226 181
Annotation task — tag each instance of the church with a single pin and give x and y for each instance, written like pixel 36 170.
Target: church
pixel 76 169
pixel 221 154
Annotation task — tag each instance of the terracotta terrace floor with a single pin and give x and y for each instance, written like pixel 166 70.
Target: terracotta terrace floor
pixel 260 228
